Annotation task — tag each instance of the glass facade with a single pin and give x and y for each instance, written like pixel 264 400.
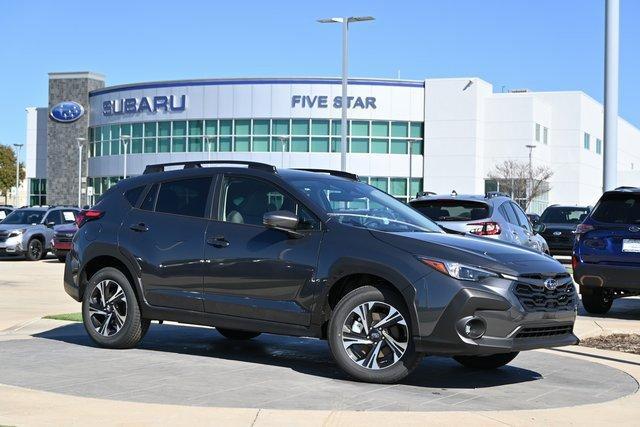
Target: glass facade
pixel 257 135
pixel 37 192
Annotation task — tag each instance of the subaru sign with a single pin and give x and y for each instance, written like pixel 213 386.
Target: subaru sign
pixel 148 104
pixel 66 112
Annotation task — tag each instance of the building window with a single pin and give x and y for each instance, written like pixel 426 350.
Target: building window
pixel 37 191
pixel 257 135
pixel 537 132
pixel 545 136
pixel 598 146
pixel 587 141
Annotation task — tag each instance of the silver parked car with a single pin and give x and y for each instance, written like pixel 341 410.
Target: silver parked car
pixel 28 231
pixel 493 215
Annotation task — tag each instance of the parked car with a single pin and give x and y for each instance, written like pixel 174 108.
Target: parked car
pixel 560 223
pixel 493 215
pixel 61 242
pixel 4 211
pixel 28 231
pixel 314 253
pixel 606 254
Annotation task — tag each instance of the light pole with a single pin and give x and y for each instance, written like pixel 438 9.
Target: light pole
pixel 80 142
pixel 18 149
pixel 530 183
pixel 611 63
pixel 410 142
pixel 207 139
pixel 283 144
pixel 125 141
pixel 345 66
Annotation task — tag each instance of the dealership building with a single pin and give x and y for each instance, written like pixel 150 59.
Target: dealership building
pixel 404 136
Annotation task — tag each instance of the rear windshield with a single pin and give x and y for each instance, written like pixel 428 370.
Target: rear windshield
pixel 562 215
pixel 619 208
pixel 452 210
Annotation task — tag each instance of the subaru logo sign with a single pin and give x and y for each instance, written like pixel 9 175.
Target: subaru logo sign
pixel 551 284
pixel 634 229
pixel 66 112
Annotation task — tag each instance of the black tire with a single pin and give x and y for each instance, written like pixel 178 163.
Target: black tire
pixel 597 302
pixel 389 374
pixel 35 250
pixel 236 334
pixel 486 362
pixel 62 258
pixel 134 327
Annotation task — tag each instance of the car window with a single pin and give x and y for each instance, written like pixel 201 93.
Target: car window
pixel 133 195
pixel 3 214
pixel 68 216
pixel 26 216
pixel 618 208
pixel 149 201
pixel 452 210
pixel 184 197
pixel 54 217
pixel 246 200
pixel 508 213
pixel 564 215
pixel 523 221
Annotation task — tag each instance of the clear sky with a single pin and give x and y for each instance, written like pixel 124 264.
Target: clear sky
pixel 535 44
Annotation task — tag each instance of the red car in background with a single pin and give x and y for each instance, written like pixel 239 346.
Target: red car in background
pixel 61 242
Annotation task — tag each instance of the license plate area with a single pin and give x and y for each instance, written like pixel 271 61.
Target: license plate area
pixel 631 245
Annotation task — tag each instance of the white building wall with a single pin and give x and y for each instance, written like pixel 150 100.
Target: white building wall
pixel 36 143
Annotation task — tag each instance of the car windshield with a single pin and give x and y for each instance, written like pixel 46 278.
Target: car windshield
pixel 360 205
pixel 452 210
pixel 561 215
pixel 24 217
pixel 618 208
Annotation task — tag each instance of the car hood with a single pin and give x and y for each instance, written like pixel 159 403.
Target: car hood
pixel 11 227
pixel 490 254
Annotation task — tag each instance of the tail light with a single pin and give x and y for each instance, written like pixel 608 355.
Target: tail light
pixel 582 229
pixel 574 262
pixel 89 215
pixel 488 228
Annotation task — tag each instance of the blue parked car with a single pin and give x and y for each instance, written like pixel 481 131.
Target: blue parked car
pixel 606 253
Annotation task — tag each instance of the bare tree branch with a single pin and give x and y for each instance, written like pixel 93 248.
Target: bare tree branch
pixel 513 177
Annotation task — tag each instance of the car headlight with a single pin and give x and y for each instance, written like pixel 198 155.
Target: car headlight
pixel 457 270
pixel 16 233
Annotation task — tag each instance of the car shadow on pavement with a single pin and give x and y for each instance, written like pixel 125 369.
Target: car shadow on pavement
pixel 622 308
pixel 304 355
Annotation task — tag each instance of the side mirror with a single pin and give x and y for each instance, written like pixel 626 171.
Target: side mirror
pixel 282 220
pixel 50 224
pixel 539 228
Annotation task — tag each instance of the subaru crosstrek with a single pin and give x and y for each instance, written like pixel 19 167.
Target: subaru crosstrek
pixel 309 253
pixel 606 254
pixel 28 231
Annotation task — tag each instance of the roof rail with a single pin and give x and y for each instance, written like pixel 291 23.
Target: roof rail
pixel 425 193
pixel 627 188
pixel 160 167
pixel 490 194
pixel 341 174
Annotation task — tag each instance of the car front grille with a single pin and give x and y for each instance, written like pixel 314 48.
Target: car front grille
pixel 63 238
pixel 546 331
pixel 535 297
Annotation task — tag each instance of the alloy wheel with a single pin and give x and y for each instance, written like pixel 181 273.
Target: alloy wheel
pixel 35 249
pixel 375 335
pixel 108 308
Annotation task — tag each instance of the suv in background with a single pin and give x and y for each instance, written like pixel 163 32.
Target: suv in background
pixel 606 254
pixel 560 223
pixel 494 215
pixel 61 242
pixel 308 253
pixel 28 231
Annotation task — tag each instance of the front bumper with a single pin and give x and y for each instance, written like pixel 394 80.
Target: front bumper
pixel 12 245
pixel 594 276
pixel 509 326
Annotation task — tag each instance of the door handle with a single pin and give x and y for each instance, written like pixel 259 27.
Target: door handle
pixel 218 242
pixel 140 227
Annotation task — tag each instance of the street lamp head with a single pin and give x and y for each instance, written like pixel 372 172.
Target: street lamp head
pixel 348 19
pixel 18 145
pixel 360 18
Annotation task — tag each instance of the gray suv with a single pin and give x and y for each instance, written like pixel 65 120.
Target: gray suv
pixel 493 215
pixel 28 231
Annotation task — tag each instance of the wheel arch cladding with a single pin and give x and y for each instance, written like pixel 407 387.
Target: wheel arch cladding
pixel 99 262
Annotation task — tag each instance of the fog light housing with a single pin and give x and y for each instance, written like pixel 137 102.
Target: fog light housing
pixel 474 328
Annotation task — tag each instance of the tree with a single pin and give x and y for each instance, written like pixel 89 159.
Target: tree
pixel 523 185
pixel 8 170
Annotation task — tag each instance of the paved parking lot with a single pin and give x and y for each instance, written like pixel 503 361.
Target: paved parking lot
pixel 197 366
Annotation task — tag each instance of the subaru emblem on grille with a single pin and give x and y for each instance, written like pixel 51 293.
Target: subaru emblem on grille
pixel 634 229
pixel 557 233
pixel 551 284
